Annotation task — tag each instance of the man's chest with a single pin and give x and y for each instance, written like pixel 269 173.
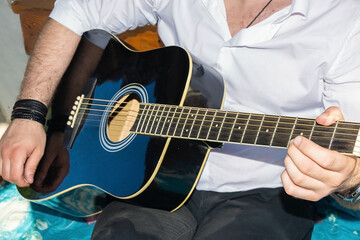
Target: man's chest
pixel 243 14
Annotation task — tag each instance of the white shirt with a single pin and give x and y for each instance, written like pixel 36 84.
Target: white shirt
pixel 297 62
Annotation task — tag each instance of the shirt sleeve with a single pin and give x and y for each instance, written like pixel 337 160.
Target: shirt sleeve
pixel 114 16
pixel 342 82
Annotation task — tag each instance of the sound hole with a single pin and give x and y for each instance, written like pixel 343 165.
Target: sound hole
pixel 122 117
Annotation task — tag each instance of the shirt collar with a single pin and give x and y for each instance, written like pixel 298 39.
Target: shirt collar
pixel 298 7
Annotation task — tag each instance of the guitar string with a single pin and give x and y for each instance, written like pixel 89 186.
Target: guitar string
pixel 204 109
pixel 255 131
pixel 331 128
pixel 119 123
pixel 234 118
pixel 318 139
pixel 304 131
pixel 194 108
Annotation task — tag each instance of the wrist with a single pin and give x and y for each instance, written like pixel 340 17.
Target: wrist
pixel 349 191
pixel 352 195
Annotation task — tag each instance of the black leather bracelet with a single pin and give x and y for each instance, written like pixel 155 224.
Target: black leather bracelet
pixel 41 120
pixel 30 109
pixel 31 104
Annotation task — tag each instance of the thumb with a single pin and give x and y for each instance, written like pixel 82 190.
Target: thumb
pixel 31 165
pixel 330 116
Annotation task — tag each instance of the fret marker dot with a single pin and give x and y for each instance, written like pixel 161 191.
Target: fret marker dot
pixel 239 127
pixel 267 130
pixel 216 125
pixel 186 130
pixel 301 134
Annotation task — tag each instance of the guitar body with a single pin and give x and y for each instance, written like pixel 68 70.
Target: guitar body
pixel 150 171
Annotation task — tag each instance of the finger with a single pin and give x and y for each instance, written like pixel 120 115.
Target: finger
pixel 301 179
pixel 31 165
pixel 6 169
pixel 43 169
pixel 57 177
pixel 18 159
pixel 310 168
pixel 296 191
pixel 327 159
pixel 330 116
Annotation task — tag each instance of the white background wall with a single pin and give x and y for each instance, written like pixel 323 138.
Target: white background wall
pixel 13 58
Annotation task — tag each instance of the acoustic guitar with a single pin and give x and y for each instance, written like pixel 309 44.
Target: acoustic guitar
pixel 142 127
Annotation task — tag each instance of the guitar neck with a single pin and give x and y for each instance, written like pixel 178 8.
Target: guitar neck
pixel 243 128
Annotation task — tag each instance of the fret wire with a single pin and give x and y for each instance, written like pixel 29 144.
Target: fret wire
pixel 221 127
pixel 312 130
pixel 202 123
pixel 161 115
pixel 257 135
pixel 273 135
pixel 171 121
pixel 192 125
pixel 177 123
pixel 165 122
pixel 211 125
pixel 233 125
pixel 149 120
pixel 146 114
pixel 292 131
pixel 156 110
pixel 138 125
pixel 246 125
pixel 185 122
pixel 333 135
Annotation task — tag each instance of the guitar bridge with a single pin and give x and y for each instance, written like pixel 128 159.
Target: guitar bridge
pixel 75 112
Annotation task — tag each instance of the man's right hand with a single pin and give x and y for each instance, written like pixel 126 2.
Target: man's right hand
pixel 21 148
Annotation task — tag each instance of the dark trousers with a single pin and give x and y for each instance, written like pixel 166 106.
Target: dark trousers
pixel 251 215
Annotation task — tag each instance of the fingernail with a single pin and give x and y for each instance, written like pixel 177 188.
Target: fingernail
pixel 297 141
pixel 26 180
pixel 30 178
pixel 324 114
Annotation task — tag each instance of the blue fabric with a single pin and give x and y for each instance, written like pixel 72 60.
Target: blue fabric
pixel 336 222
pixel 20 219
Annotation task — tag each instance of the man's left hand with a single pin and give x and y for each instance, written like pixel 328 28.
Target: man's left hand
pixel 313 172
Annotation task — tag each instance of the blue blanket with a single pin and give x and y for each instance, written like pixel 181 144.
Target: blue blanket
pixel 20 219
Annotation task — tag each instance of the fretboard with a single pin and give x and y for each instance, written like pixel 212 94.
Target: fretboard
pixel 243 128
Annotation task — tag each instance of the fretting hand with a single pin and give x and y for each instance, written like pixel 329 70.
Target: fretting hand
pixel 313 172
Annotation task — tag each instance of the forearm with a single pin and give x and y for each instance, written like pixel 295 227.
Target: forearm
pixel 52 54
